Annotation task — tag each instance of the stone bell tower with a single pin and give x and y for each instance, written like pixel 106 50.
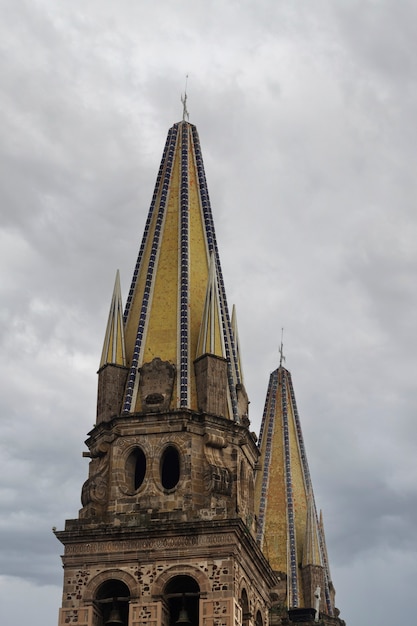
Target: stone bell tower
pixel 166 533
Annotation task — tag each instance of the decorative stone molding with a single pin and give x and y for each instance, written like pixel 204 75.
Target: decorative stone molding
pixel 95 488
pixel 215 441
pixel 159 543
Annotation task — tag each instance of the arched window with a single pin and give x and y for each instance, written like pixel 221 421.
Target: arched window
pixel 135 469
pixel 182 595
pixel 244 603
pixel 251 490
pixel 242 485
pixel 170 467
pixel 112 598
pixel 259 621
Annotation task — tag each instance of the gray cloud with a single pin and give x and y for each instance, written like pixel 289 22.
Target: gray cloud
pixel 306 117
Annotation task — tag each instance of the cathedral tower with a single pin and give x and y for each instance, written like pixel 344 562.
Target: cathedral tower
pixel 168 530
pixel 166 533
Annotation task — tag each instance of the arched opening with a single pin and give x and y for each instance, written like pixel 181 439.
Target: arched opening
pixel 242 485
pixel 259 621
pixel 182 594
pixel 112 599
pixel 170 468
pixel 251 492
pixel 135 469
pixel 244 603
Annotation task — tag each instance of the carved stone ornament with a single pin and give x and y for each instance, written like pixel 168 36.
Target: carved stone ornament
pixel 94 490
pixel 95 487
pixel 218 480
pixel 156 385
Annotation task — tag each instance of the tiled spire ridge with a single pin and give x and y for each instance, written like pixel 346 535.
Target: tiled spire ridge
pixel 184 284
pixel 309 486
pixel 168 145
pixel 162 193
pixel 268 420
pixel 231 356
pixel 291 538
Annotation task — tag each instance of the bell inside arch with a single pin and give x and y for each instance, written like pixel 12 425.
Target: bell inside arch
pixel 114 618
pixel 182 595
pixel 183 618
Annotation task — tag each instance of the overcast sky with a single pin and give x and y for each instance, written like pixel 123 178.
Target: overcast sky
pixel 306 111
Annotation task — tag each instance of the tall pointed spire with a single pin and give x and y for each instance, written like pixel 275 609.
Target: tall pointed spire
pixel 288 528
pixel 166 301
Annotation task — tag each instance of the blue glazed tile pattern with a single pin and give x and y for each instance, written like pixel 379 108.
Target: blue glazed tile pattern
pixel 167 163
pixel 184 271
pixel 233 373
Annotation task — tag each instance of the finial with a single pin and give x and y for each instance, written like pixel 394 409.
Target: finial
pixel 281 348
pixel 185 113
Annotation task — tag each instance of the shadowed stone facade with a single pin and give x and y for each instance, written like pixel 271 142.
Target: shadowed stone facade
pixel 194 518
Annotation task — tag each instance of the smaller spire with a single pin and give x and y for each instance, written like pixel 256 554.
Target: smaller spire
pixel 185 113
pixel 237 342
pixel 114 341
pixel 312 548
pixel 210 340
pixel 324 546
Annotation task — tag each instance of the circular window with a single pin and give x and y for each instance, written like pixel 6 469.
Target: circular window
pixel 170 468
pixel 135 469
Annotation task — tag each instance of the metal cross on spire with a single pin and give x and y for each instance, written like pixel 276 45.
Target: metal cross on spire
pixel 281 348
pixel 185 113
